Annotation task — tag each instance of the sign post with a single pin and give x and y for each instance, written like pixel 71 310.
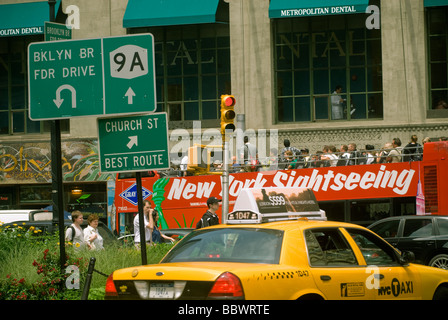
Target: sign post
pixel 133 143
pixel 56 31
pixel 92 77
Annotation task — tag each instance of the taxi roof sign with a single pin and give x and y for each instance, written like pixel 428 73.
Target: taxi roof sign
pixel 260 205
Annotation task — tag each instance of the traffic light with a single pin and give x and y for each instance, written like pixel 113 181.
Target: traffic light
pixel 227 113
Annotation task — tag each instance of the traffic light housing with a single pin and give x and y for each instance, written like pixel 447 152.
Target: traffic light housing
pixel 227 113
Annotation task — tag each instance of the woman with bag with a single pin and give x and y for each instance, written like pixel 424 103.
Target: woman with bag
pixel 93 239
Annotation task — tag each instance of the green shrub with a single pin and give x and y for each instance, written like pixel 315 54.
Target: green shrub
pixel 30 266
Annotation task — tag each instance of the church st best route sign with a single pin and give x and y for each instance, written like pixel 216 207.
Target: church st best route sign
pixel 133 143
pixel 92 77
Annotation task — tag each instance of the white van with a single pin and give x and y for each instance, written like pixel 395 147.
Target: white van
pixel 7 216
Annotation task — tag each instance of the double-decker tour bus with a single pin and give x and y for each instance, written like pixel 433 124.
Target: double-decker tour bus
pixel 359 194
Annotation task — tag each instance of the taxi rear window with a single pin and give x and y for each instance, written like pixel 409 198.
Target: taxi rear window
pixel 229 245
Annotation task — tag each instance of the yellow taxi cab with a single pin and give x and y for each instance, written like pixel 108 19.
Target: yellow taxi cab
pixel 277 244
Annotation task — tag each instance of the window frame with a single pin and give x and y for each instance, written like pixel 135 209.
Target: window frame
pixel 165 46
pixel 293 30
pixel 15 54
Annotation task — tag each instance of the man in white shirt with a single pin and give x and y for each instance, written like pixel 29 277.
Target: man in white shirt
pixel 337 111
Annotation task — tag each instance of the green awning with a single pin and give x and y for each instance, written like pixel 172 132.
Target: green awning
pixel 435 3
pixel 305 8
pixel 22 19
pixel 150 13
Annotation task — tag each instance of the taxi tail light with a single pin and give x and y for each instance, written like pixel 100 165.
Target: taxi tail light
pixel 111 291
pixel 227 285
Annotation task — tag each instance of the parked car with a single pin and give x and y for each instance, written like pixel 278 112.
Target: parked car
pixel 46 226
pixel 425 236
pixel 7 216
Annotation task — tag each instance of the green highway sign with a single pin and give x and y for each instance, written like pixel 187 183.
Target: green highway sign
pixel 133 143
pixel 56 31
pixel 92 77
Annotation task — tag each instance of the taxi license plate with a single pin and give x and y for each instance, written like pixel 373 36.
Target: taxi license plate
pixel 161 291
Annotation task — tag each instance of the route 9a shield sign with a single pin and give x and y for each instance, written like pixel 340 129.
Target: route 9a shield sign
pixel 129 62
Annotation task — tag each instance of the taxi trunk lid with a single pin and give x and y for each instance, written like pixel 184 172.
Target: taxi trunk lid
pixel 188 280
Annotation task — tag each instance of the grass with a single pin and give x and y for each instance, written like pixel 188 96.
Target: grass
pixel 20 249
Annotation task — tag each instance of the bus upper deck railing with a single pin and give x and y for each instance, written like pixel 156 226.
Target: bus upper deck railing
pixel 315 160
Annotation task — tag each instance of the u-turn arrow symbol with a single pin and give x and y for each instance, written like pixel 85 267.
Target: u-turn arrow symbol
pixel 58 101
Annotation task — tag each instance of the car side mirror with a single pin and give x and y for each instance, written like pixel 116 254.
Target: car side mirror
pixel 407 257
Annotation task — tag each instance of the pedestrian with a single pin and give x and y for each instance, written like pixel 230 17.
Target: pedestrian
pixel 74 233
pixel 157 236
pixel 210 217
pixel 92 237
pixel 147 211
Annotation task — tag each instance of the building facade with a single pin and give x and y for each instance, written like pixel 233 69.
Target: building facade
pixel 283 60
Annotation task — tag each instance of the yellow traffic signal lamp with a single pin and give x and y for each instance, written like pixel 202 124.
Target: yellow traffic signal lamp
pixel 227 113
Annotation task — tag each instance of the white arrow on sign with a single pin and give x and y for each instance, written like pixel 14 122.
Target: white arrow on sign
pixel 132 141
pixel 58 101
pixel 130 94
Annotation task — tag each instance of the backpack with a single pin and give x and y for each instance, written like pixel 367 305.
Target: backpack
pixel 73 233
pixel 205 221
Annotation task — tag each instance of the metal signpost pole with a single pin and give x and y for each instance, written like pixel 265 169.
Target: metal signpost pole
pixel 225 184
pixel 141 218
pixel 56 172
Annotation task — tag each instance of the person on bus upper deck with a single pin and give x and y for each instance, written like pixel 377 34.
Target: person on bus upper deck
pixel 394 155
pixel 371 157
pixel 295 152
pixel 395 152
pixel 344 156
pixel 355 155
pixel 413 150
pixel 248 155
pixel 210 218
pixel 329 156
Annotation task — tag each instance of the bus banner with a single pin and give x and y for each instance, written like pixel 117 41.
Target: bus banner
pixel 185 197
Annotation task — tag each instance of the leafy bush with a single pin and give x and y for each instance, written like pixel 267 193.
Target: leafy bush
pixel 30 266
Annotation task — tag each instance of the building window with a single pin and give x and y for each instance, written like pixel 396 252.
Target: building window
pixel 313 56
pixel 192 70
pixel 438 56
pixel 14 89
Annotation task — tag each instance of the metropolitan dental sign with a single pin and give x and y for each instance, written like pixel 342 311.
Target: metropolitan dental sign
pixel 21 31
pixel 291 9
pixel 317 11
